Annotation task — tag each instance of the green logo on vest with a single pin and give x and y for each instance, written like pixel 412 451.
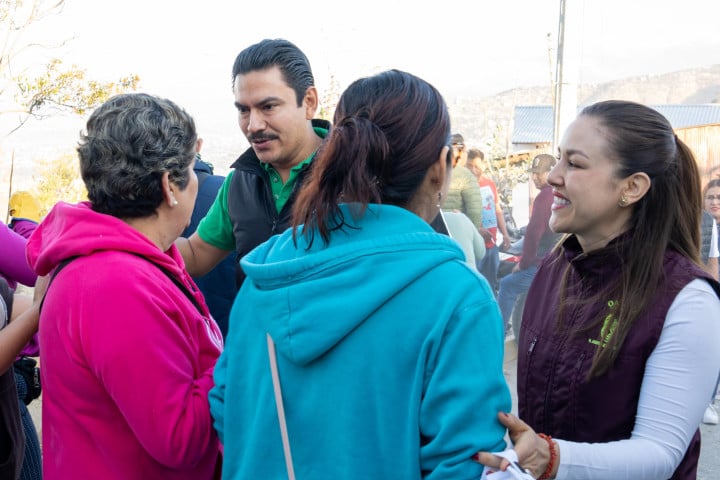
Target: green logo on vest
pixel 609 326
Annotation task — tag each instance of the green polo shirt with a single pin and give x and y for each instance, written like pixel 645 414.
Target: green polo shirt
pixel 216 227
pixel 281 191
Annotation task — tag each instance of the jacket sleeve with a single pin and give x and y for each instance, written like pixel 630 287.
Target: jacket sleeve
pixel 13 263
pixel 464 390
pixel 217 397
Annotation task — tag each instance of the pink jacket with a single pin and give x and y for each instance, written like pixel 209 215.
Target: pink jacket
pixel 127 359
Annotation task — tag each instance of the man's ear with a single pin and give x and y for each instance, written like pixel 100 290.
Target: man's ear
pixel 636 186
pixel 310 102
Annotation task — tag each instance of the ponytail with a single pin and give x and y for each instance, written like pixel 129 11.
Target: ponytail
pixel 389 130
pixel 348 168
pixel 685 236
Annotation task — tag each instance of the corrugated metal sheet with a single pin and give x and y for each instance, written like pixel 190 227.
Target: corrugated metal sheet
pixel 684 116
pixel 534 124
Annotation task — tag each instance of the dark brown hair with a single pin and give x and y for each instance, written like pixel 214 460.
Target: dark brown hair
pixel 667 217
pixel 388 130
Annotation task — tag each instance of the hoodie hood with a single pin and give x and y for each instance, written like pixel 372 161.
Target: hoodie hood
pixel 71 230
pixel 311 298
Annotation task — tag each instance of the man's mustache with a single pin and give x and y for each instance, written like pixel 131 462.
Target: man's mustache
pixel 260 138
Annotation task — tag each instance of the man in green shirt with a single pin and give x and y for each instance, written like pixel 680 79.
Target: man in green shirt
pixel 276 100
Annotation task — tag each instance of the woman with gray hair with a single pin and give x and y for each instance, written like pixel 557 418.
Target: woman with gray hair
pixel 128 343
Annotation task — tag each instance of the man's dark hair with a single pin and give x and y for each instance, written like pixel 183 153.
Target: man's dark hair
pixel 474 153
pixel 291 61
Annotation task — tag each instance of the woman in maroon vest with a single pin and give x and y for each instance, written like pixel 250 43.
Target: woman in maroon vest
pixel 617 352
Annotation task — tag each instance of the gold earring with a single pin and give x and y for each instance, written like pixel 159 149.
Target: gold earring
pixel 623 201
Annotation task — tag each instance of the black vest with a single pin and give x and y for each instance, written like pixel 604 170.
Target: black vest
pixel 251 205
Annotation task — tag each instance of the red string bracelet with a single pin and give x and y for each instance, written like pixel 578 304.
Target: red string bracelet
pixel 553 456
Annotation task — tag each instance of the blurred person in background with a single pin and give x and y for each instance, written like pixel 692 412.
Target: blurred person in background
pixel 25 213
pixel 538 240
pixel 711 205
pixel 464 194
pixel 492 218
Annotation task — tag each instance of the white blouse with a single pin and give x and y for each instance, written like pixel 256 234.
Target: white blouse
pixel 679 378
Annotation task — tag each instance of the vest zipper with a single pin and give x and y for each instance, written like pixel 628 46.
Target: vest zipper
pixel 532 346
pixel 529 361
pixel 580 361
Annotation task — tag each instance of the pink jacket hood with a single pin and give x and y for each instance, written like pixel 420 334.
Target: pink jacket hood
pixel 71 230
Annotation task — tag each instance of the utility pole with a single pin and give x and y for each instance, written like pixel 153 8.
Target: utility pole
pixel 567 68
pixel 551 68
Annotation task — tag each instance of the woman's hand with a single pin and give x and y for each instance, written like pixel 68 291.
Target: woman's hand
pixel 533 452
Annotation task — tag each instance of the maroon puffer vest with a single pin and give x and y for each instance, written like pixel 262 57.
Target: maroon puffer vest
pixel 553 394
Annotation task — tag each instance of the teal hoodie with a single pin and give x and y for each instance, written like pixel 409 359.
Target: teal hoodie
pixel 389 351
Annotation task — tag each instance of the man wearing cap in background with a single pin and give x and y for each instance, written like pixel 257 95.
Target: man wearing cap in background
pixel 538 240
pixel 464 194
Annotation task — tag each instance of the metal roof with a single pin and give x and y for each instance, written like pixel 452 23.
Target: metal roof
pixel 534 123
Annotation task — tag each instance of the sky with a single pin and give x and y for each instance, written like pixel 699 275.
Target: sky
pixel 184 50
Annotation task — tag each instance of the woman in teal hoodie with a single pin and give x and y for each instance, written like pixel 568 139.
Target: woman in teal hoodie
pixel 388 347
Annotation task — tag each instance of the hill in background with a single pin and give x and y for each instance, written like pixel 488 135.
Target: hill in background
pixel 483 121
